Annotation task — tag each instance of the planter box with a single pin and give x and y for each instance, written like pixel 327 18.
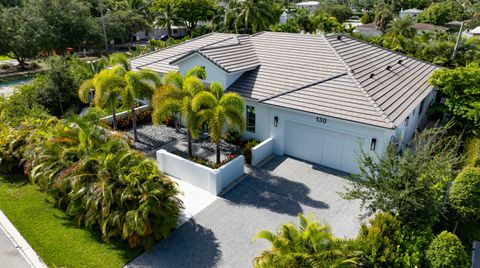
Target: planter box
pixel 211 180
pixel 124 114
pixel 262 151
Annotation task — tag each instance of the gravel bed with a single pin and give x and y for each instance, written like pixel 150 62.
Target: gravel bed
pixel 153 137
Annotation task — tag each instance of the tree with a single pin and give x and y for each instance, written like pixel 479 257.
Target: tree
pixel 401 27
pixel 368 17
pixel 217 109
pixel 340 12
pixel 194 11
pixel 446 250
pixel 442 12
pixel 167 13
pixel 307 245
pixel 326 24
pixel 251 16
pixel 465 194
pixel 383 16
pixel 461 86
pixel 286 28
pixel 22 33
pixel 108 85
pixel 175 98
pixel 412 184
pixel 303 20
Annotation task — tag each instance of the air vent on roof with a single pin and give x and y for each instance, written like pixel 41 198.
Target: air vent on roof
pixel 372 75
pixel 339 37
pixel 389 68
pixel 400 61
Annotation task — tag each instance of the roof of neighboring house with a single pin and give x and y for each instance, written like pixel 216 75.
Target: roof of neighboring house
pixel 331 75
pixel 308 3
pixel 417 26
pixel 475 31
pixel 412 10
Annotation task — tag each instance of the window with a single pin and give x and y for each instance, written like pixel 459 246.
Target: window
pixel 421 107
pixel 251 119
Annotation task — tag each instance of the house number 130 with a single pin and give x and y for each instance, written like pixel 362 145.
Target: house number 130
pixel 322 120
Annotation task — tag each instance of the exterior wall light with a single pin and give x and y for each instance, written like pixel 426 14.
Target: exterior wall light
pixel 275 121
pixel 373 144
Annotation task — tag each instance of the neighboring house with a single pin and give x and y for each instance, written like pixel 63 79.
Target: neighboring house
pixel 161 33
pixel 320 98
pixel 411 12
pixel 371 29
pixel 310 6
pixel 453 25
pixel 473 32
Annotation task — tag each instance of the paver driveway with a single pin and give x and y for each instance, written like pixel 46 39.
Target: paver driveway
pixel 221 235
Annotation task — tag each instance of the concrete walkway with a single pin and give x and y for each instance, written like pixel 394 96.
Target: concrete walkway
pixel 222 234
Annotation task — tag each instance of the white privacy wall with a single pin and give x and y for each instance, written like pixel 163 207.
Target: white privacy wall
pixel 262 151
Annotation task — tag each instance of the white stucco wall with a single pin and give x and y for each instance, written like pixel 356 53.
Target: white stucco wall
pixel 214 73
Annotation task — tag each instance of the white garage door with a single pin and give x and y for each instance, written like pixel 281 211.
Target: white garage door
pixel 325 147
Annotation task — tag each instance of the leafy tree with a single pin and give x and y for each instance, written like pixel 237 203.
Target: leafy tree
pixel 251 16
pixel 462 91
pixel 22 33
pixel 303 21
pixel 123 24
pixel 383 16
pixel 411 184
pixel 217 109
pixel 194 11
pixel 386 242
pixel 442 12
pixel 167 13
pixel 340 12
pixel 446 250
pixel 175 97
pixel 401 26
pixel 307 245
pixel 368 17
pixel 465 194
pixel 326 24
pixel 286 28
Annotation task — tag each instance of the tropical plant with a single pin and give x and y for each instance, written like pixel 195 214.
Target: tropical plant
pixel 446 250
pixel 167 14
pixel 411 184
pixel 175 98
pixel 307 245
pixel 401 26
pixel 217 109
pixel 383 16
pixel 251 16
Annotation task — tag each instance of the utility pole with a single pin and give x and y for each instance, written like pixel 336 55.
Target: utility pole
pixel 458 42
pixel 103 26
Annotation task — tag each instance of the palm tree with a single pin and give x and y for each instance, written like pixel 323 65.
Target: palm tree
pixel 108 85
pixel 308 245
pixel 175 97
pixel 251 15
pixel 215 108
pixel 401 26
pixel 167 14
pixel 383 16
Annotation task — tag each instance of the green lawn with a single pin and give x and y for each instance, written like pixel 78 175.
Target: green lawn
pixel 4 58
pixel 51 233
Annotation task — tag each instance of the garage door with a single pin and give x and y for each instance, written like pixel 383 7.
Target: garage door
pixel 325 147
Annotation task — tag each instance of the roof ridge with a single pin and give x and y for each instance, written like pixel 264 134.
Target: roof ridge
pixel 350 72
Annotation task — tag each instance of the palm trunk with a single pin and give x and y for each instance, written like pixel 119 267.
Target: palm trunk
pixel 114 118
pixel 218 152
pixel 189 139
pixel 134 123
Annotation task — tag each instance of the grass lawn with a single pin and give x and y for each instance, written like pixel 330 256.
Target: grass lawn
pixel 51 234
pixel 4 58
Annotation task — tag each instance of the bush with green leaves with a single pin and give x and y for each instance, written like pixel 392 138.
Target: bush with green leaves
pixel 465 194
pixel 471 152
pixel 446 251
pixel 247 150
pixel 386 242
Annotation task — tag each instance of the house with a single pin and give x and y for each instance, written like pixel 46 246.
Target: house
pixel 161 33
pixel 320 98
pixel 410 12
pixel 310 6
pixel 454 25
pixel 370 29
pixel 473 32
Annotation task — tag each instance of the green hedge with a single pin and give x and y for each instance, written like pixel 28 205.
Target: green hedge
pixel 471 150
pixel 465 194
pixel 445 251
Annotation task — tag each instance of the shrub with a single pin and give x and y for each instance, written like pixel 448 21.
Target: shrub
pixel 471 151
pixel 247 150
pixel 233 137
pixel 125 122
pixel 446 250
pixel 386 242
pixel 368 17
pixel 465 194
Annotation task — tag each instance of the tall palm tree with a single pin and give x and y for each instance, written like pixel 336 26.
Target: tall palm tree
pixel 167 14
pixel 308 245
pixel 108 85
pixel 216 108
pixel 250 15
pixel 401 26
pixel 383 16
pixel 175 98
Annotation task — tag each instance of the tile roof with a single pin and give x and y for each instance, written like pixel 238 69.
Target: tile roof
pixel 332 75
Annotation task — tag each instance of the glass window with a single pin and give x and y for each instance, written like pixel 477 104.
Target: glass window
pixel 251 119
